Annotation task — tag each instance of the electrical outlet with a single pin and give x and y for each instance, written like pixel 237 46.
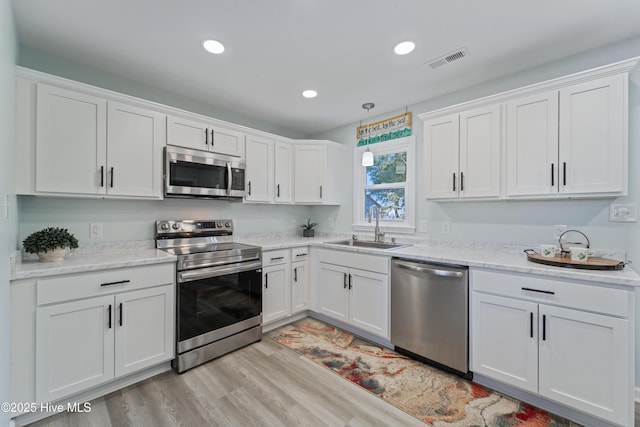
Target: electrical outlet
pixel 96 229
pixel 623 213
pixel 331 224
pixel 558 230
pixel 446 228
pixel 294 223
pixel 422 226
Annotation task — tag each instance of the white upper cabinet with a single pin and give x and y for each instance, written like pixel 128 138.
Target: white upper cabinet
pixel 462 155
pixel 85 145
pixel 532 145
pixel 571 141
pixel 283 172
pixel 316 172
pixel 200 135
pixel 259 173
pixel 593 137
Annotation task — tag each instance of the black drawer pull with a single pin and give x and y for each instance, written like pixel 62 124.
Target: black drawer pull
pixel 120 314
pixel 531 325
pixel 120 282
pixel 301 254
pixel 277 258
pixel 109 316
pixel 538 290
pixel 544 327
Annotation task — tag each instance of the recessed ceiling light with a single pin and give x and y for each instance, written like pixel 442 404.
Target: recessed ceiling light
pixel 213 46
pixel 309 93
pixel 404 48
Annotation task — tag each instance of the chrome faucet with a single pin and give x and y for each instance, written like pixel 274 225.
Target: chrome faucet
pixel 379 235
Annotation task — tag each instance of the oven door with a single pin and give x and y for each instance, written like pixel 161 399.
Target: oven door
pixel 202 174
pixel 217 302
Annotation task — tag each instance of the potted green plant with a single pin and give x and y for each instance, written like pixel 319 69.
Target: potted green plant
pixel 307 229
pixel 50 244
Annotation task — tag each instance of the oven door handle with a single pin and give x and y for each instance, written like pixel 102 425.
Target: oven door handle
pixel 203 273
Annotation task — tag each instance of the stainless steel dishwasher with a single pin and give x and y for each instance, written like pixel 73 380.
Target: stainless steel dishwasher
pixel 430 313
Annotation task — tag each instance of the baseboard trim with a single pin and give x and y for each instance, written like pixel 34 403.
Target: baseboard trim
pixel 94 393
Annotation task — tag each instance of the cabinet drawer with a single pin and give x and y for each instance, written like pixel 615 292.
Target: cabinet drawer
pixel 375 263
pixel 553 292
pixel 300 254
pixel 77 286
pixel 282 256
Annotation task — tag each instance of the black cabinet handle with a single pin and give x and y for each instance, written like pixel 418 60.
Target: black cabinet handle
pixel 345 280
pixel 552 174
pixel 531 324
pixel 301 254
pixel 564 173
pixel 321 191
pixel 277 258
pixel 295 274
pixel 266 280
pixel 101 176
pixel 206 137
pixel 120 308
pixel 211 138
pixel 454 181
pixel 249 185
pixel 119 282
pixel 538 290
pixel 278 190
pixel 111 184
pixel 544 327
pixel 461 181
pixel 109 316
pixel 350 281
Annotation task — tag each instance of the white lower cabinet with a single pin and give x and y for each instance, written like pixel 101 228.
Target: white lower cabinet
pixel 566 341
pixel 356 296
pixel 88 329
pixel 285 283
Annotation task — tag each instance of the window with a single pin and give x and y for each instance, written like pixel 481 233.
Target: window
pixel 388 185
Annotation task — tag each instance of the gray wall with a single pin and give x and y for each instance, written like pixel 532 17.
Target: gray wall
pixel 8 226
pixel 527 222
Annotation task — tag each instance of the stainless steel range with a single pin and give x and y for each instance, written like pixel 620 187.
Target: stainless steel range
pixel 219 289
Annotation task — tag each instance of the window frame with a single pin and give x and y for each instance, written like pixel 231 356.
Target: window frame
pixel 407 226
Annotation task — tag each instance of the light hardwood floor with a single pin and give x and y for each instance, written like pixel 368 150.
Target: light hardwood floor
pixel 264 384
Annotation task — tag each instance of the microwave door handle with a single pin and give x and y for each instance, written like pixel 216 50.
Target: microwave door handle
pixel 229 178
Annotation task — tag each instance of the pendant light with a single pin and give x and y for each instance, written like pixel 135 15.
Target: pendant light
pixel 367 156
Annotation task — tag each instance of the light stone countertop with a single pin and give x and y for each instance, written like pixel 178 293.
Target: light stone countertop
pixel 494 256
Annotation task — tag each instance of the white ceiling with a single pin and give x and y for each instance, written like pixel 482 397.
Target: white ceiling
pixel 342 48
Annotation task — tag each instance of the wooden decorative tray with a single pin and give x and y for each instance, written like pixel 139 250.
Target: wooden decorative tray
pixel 592 263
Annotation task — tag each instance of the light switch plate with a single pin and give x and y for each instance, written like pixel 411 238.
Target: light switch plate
pixel 558 230
pixel 96 229
pixel 623 212
pixel 446 228
pixel 423 226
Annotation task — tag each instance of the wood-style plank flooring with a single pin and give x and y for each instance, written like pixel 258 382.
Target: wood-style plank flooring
pixel 264 384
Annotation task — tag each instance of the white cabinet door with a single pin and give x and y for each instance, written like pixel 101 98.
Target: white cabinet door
pixel 227 141
pixel 584 358
pixel 441 151
pixel 70 142
pixel 333 295
pixel 532 145
pixel 144 328
pixel 283 172
pixel 276 292
pixel 74 347
pixel 259 173
pixel 479 171
pixel 593 153
pixel 135 138
pixel 299 286
pixel 188 133
pixel 369 301
pixel 504 340
pixel 309 170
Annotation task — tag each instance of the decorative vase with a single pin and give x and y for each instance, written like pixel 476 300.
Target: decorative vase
pixel 55 255
pixel 308 232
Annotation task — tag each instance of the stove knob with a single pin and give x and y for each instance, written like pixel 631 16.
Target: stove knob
pixel 219 224
pixel 227 224
pixel 175 226
pixel 164 226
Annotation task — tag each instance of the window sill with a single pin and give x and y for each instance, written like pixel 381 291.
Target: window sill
pixel 396 229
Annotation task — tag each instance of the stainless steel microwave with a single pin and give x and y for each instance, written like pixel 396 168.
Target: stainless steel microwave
pixel 195 173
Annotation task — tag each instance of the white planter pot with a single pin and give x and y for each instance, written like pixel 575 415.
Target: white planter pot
pixel 55 255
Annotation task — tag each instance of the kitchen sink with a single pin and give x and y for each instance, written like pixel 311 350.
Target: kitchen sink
pixel 368 244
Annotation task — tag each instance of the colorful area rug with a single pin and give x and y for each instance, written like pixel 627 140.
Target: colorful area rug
pixel 429 394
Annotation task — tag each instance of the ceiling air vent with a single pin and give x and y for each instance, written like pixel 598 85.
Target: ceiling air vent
pixel 449 57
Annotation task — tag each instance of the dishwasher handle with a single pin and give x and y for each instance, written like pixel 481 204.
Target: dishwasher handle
pixel 434 271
